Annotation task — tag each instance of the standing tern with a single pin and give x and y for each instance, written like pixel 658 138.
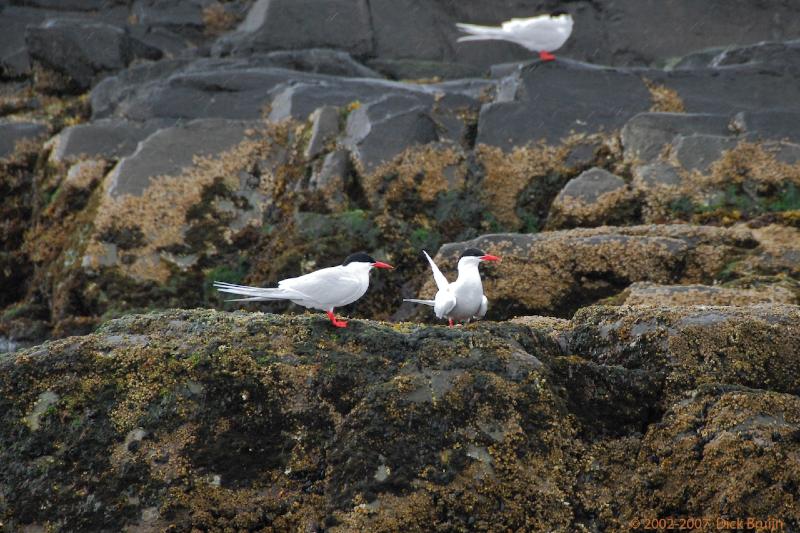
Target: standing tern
pixel 543 34
pixel 323 289
pixel 463 299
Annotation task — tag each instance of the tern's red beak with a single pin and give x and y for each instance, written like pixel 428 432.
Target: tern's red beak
pixel 488 257
pixel 379 264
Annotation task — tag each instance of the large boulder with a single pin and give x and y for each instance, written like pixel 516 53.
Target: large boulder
pixel 61 45
pixel 558 272
pixel 594 198
pixel 108 139
pixel 296 24
pixel 13 133
pixel 213 420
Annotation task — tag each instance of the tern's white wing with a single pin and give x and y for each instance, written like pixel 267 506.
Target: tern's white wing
pixel 327 288
pixel 483 308
pixel 438 277
pixel 444 302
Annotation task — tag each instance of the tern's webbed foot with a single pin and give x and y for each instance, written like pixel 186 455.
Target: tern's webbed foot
pixel 336 323
pixel 546 56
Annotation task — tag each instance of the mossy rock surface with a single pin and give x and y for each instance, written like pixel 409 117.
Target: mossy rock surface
pixel 198 419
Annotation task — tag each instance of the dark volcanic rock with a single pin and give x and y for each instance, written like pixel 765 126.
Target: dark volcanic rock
pixel 170 150
pixel 379 131
pixel 12 133
pixel 295 24
pixel 321 61
pixel 105 138
pixel 596 197
pixel 646 135
pixel 62 45
pixel 553 100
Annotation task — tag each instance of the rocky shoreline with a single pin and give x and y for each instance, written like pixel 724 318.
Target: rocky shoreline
pixel 640 355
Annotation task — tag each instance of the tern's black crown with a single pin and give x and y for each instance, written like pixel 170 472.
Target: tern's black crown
pixel 473 252
pixel 358 257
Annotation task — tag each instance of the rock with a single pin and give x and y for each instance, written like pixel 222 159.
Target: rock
pixel 168 151
pixel 332 178
pixel 116 92
pixel 554 100
pixel 381 130
pixel 698 152
pixel 769 125
pixel 656 175
pixel 738 88
pixel 61 46
pixel 184 18
pixel 671 341
pixel 595 197
pixel 320 61
pixel 557 272
pixel 389 426
pixel 106 139
pixel 292 24
pixel 298 100
pixel 324 128
pixel 647 135
pixel 652 294
pixel 763 53
pixel 12 133
pixel 415 69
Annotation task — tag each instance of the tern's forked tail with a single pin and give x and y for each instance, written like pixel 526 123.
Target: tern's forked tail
pixel 423 302
pixel 256 294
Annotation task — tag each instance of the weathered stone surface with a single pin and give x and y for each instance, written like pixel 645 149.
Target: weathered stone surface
pixel 416 69
pixel 646 135
pixel 332 177
pixel 672 340
pixel 656 175
pixel 769 125
pixel 321 61
pixel 106 139
pixel 643 293
pixel 295 24
pixel 595 197
pixel 12 133
pixel 557 272
pixel 406 420
pixel 379 131
pixel 324 128
pixel 61 45
pixel 170 150
pixel 698 152
pixel 763 53
pixel 553 100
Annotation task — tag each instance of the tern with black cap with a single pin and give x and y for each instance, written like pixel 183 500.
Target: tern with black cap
pixel 543 34
pixel 324 289
pixel 463 299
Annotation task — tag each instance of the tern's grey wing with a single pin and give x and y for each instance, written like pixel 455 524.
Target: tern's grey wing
pixel 328 287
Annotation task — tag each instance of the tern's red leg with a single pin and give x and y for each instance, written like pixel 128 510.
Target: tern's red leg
pixel 546 56
pixel 451 322
pixel 336 323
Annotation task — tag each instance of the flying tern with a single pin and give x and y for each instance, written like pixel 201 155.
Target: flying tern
pixel 324 289
pixel 463 299
pixel 543 34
